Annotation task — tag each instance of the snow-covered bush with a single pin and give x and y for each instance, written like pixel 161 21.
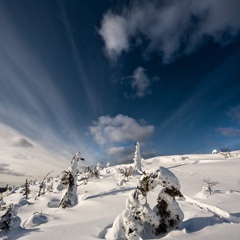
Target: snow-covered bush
pixel 225 152
pixel 125 172
pixel 50 187
pixel 70 199
pixel 214 151
pixel 137 159
pixel 42 185
pixel 107 167
pixel 63 181
pixel 9 219
pixel 139 220
pixel 89 173
pixel 3 205
pixel 210 183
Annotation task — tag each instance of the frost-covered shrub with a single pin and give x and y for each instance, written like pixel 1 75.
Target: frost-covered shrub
pixel 125 172
pixel 63 181
pixel 138 220
pixel 3 205
pixel 90 173
pixel 210 184
pixel 137 159
pixel 50 187
pixel 107 167
pixel 42 185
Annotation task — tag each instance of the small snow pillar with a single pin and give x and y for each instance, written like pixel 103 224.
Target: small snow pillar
pixel 137 159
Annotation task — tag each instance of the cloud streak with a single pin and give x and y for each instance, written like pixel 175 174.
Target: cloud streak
pixel 31 100
pixel 19 142
pixel 170 28
pixel 234 113
pixel 5 170
pixel 229 131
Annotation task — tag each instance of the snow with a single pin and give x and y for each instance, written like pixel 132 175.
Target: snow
pixel 213 216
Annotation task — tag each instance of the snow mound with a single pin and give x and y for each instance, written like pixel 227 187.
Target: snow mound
pixel 23 202
pixel 53 203
pixel 35 220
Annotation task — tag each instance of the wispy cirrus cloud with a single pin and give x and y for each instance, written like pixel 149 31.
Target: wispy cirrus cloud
pixel 4 169
pixel 170 28
pixel 17 141
pixel 229 131
pixel 88 90
pixel 31 100
pixel 234 113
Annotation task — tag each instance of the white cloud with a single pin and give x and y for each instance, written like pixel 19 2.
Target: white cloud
pixel 121 154
pixel 140 82
pixel 171 28
pixel 19 142
pixel 119 129
pixel 6 171
pixel 113 32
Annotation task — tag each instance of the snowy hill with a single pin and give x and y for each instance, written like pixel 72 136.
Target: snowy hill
pixel 101 200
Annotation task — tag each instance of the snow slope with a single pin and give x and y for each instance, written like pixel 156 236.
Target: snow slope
pixel 100 201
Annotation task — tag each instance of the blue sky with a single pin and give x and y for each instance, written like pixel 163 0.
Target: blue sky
pixel 96 76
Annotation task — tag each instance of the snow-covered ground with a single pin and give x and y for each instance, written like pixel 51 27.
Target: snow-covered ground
pixel 101 200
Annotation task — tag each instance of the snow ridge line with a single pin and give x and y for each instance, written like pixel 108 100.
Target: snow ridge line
pixel 225 215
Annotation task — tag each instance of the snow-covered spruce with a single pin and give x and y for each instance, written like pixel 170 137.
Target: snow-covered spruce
pixel 137 158
pixel 9 220
pixel 26 189
pixel 70 199
pixel 138 220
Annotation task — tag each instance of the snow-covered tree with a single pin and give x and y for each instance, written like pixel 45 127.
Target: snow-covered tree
pixel 7 219
pixel 138 220
pixel 137 158
pixel 70 199
pixel 42 185
pixel 26 189
pixel 50 187
pixel 210 183
pixel 63 181
pixel 3 205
